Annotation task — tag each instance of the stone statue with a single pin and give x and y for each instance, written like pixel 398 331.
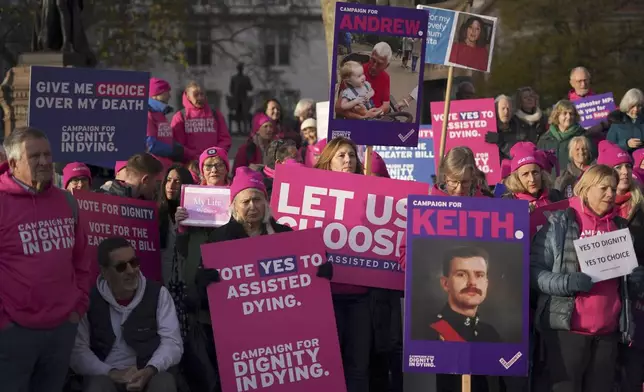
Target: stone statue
pixel 59 28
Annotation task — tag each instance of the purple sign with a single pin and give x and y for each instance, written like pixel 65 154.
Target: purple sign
pixel 378 59
pixel 467 281
pixel 594 109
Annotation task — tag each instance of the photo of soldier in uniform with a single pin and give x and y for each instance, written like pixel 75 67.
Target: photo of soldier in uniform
pixel 466 291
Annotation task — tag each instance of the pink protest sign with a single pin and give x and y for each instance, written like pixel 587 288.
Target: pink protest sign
pixel 207 205
pixel 364 219
pixel 469 122
pixel 539 216
pixel 113 216
pixel 273 318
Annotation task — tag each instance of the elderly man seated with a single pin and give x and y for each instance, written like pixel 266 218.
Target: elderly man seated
pixel 375 73
pixel 130 338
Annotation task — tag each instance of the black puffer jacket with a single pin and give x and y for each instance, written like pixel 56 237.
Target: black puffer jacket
pixel 512 133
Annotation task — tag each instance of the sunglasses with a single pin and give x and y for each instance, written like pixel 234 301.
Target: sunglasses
pixel 122 266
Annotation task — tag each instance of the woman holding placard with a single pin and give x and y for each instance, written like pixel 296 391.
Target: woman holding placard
pixel 351 303
pixel 214 166
pixel 457 176
pixel 580 321
pixel 629 205
pixel 529 179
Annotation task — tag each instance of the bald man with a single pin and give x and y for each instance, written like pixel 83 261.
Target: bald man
pixel 580 83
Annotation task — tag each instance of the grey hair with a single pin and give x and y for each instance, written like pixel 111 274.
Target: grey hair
pixel 268 214
pixel 383 49
pixel 573 144
pixel 500 97
pixel 572 72
pixel 632 98
pixel 13 143
pixel 301 106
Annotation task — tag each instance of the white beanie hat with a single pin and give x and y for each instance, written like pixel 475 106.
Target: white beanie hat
pixel 308 123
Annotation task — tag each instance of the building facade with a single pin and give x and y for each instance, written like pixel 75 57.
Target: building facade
pixel 280 42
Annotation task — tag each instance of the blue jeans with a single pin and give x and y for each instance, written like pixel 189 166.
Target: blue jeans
pixel 35 360
pixel 414 62
pixel 353 320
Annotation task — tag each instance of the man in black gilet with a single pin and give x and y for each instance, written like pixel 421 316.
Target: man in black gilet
pixel 130 337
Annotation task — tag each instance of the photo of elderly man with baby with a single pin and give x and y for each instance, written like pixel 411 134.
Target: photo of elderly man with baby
pixel 364 88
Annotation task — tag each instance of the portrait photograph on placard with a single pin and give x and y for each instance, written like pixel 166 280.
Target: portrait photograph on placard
pixel 473 42
pixel 378 63
pixel 468 288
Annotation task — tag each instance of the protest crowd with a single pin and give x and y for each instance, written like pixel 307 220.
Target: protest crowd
pixel 80 313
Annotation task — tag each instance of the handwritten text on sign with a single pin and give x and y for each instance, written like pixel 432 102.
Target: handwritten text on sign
pixel 606 256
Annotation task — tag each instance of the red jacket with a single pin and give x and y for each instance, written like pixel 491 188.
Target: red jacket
pixel 44 274
pixel 199 128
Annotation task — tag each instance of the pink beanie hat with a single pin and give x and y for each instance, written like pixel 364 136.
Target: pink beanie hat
pixel 119 165
pixel 313 151
pixel 246 178
pixel 76 169
pixel 638 157
pixel 611 154
pixel 378 165
pixel 258 120
pixel 524 153
pixel 505 168
pixel 548 160
pixel 158 86
pixel 211 152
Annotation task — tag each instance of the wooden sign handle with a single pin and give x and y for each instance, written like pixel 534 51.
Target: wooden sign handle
pixel 448 100
pixel 367 160
pixel 466 383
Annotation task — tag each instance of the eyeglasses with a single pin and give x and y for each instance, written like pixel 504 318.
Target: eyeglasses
pixel 455 184
pixel 219 166
pixel 122 266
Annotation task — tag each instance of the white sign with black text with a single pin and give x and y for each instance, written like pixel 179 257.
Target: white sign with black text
pixel 606 256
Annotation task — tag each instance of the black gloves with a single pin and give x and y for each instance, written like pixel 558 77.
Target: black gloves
pixel 206 276
pixel 579 282
pixel 493 138
pixel 325 270
pixel 177 152
pixel 636 281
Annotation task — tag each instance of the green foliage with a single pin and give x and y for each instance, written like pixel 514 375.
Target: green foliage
pixel 16 28
pixel 128 34
pixel 540 41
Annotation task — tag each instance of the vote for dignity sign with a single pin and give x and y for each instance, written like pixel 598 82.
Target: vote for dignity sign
pixel 363 217
pixel 469 122
pixel 272 317
pixel 113 216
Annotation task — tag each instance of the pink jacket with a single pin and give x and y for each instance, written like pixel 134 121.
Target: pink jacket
pixel 597 311
pixel 159 128
pixel 199 128
pixel 44 274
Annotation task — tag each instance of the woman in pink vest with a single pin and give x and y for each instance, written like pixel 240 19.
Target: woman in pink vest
pixel 159 140
pixel 197 126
